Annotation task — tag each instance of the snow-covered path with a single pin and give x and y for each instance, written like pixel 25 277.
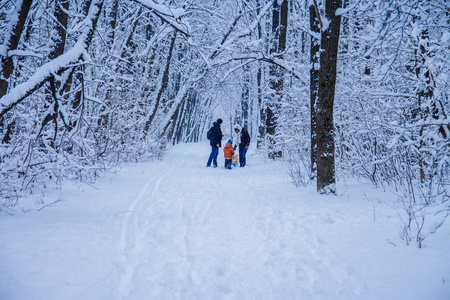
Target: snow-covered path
pixel 175 229
pixel 215 232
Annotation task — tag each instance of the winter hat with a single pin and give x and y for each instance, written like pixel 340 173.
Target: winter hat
pixel 219 120
pixel 229 141
pixel 237 126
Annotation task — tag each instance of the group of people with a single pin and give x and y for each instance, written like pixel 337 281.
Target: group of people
pixel 240 138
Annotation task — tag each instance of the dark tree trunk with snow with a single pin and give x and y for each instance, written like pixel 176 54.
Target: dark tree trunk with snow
pixel 61 9
pixel 279 29
pixel 426 93
pixel 76 102
pixel 59 42
pixel 245 99
pixel 262 111
pixel 314 83
pixel 7 65
pixel 325 101
pixel 164 84
pixel 112 20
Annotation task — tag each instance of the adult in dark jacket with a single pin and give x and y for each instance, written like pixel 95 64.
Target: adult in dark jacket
pixel 241 139
pixel 215 141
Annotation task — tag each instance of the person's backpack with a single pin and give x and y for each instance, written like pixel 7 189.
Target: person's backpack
pixel 209 134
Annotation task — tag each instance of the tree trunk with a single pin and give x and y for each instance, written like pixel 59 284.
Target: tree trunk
pixel 326 179
pixel 420 62
pixel 164 83
pixel 314 84
pixel 112 20
pixel 183 94
pixel 279 26
pixel 56 66
pixel 262 111
pixel 245 99
pixel 59 42
pixel 104 119
pixel 12 42
pixel 79 94
pixel 61 8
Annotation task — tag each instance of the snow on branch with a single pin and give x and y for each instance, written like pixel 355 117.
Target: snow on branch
pixel 288 66
pixel 170 15
pixel 224 43
pixel 55 66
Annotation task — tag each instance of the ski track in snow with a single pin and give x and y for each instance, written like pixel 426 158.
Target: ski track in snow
pixel 174 229
pixel 134 232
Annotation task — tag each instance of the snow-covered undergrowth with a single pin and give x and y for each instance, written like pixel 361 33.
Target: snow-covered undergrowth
pixel 174 229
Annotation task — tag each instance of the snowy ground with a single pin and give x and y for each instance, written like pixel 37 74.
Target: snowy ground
pixel 175 229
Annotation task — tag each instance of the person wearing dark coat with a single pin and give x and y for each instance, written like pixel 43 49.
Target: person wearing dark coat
pixel 215 142
pixel 242 139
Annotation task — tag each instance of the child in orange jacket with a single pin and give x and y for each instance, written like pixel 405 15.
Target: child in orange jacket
pixel 228 152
